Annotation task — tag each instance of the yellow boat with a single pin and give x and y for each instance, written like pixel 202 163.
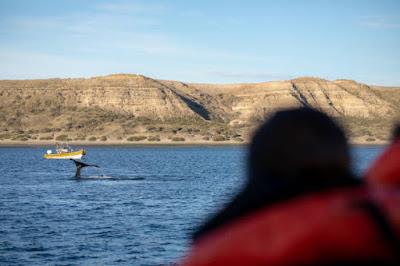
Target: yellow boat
pixel 63 151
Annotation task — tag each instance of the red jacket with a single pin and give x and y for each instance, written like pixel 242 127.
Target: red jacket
pixel 339 226
pixel 386 169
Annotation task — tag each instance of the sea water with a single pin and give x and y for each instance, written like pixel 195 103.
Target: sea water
pixel 139 208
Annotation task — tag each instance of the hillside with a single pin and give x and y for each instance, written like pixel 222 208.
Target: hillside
pixel 127 107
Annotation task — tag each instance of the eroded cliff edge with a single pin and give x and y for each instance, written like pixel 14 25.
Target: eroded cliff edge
pixel 135 108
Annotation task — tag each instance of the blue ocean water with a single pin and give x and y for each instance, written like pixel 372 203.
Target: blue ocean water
pixel 140 208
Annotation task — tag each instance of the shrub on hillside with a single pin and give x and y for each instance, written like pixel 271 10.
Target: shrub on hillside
pixel 154 138
pixel 178 139
pixel 103 138
pixel 46 130
pixel 92 138
pixel 5 136
pixel 23 137
pixel 219 138
pixel 49 137
pixel 80 137
pixel 62 137
pixel 136 138
pixel 151 128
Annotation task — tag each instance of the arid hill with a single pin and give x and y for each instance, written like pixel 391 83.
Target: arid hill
pixel 127 107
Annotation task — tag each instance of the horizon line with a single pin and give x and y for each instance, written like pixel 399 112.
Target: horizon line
pixel 197 82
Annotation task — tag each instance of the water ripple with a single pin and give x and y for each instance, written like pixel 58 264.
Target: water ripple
pixel 139 209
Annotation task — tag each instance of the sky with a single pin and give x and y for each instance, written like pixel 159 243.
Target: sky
pixel 202 41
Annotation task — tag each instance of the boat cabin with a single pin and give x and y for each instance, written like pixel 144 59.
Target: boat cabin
pixel 63 148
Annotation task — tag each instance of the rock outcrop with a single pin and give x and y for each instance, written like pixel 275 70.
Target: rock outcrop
pixel 119 105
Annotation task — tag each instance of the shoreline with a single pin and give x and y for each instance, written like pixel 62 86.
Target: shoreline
pixel 38 143
pixel 121 143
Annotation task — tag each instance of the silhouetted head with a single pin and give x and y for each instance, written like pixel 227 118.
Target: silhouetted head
pixel 396 133
pixel 299 146
pixel 295 152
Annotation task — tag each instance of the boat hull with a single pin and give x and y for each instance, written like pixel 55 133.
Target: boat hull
pixel 77 155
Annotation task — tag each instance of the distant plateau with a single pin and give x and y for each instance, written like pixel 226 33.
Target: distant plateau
pixel 134 109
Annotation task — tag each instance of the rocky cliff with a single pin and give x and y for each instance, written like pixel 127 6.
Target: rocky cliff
pixel 120 107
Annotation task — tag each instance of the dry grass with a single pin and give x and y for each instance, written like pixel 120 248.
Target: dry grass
pixel 156 110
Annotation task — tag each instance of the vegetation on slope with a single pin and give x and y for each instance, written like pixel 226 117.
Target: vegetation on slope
pixel 136 108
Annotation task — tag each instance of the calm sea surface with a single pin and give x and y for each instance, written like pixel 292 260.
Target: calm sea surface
pixel 138 209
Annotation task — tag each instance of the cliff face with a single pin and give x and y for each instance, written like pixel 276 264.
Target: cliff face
pixel 339 99
pixel 116 106
pixel 136 95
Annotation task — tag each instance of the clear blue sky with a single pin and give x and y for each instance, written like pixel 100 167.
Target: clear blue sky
pixel 202 41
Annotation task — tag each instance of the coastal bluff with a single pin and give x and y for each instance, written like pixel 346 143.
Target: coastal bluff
pixel 129 108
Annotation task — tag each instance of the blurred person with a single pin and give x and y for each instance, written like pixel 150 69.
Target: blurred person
pixel 301 203
pixel 386 169
pixel 295 152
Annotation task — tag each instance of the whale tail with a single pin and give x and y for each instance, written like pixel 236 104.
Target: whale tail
pixel 79 165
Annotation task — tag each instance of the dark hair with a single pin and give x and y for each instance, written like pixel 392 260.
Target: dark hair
pixel 299 145
pixel 295 152
pixel 396 133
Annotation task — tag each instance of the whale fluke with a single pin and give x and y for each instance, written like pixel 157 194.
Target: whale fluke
pixel 79 165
